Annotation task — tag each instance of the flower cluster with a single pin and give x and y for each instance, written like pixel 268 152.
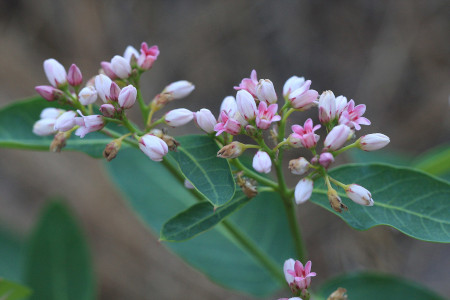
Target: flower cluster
pixel 254 110
pixel 298 277
pixel 117 86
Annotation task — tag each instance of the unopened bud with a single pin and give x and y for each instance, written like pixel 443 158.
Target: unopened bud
pixel 160 101
pixel 74 77
pixel 121 67
pixel 233 150
pixel 178 117
pixel 48 92
pixel 66 121
pixel 359 194
pixel 59 141
pixel 335 201
pixel 326 159
pixel 127 96
pixel 87 95
pixel 337 137
pixel 265 91
pixel 179 89
pixel 294 141
pixel 251 130
pixel 114 92
pixel 157 132
pixel 107 110
pixel 55 72
pixel 106 66
pixel 303 190
pixel 299 166
pixel 112 149
pixel 374 141
pixel 205 120
pixel 262 162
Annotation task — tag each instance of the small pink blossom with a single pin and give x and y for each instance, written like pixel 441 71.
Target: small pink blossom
pixel 352 116
pixel 74 76
pixel 262 162
pixel 249 84
pixel 227 124
pixel 306 134
pixel 266 115
pixel 88 124
pixel 297 276
pixel 303 98
pixel 148 56
pixel 292 84
pixel 106 66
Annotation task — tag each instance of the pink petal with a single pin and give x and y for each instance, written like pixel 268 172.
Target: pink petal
pixel 360 109
pixel 308 125
pixel 276 118
pixel 350 105
pixel 272 110
pixel 316 127
pixel 253 76
pixel 297 129
pixel 262 107
pixel 298 267
pixel 363 121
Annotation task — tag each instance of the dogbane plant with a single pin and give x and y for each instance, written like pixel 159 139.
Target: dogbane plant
pixel 253 121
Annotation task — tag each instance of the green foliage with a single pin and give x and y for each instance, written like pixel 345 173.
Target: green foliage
pixel 156 195
pixel 210 175
pixel 374 286
pixel 12 291
pixel 11 260
pixel 58 264
pixel 411 201
pixel 435 161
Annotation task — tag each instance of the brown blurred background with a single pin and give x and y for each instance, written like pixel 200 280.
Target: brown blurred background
pixel 391 55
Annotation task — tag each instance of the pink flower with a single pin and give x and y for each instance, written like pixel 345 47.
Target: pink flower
pixel 227 124
pixel 266 115
pixel 292 84
pixel 262 162
pixel 74 76
pixel 306 134
pixel 55 72
pixel 351 116
pixel 148 56
pixel 246 105
pixel 249 84
pixel 154 147
pixel 303 98
pixel 88 124
pixel 297 276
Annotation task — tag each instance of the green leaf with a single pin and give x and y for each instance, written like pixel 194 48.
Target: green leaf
pixel 156 195
pixel 12 291
pixel 375 286
pixel 210 175
pixel 16 125
pixel 11 258
pixel 382 156
pixel 435 161
pixel 411 201
pixel 199 218
pixel 58 265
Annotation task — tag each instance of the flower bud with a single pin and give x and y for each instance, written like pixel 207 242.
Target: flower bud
pixel 59 141
pixel 359 194
pixel 106 66
pixel 303 98
pixel 127 96
pixel 326 159
pixel 74 76
pixel 246 105
pixel 103 86
pixel 327 107
pixel 262 162
pixel 171 142
pixel 250 130
pixel 299 166
pixel 179 89
pixel 47 92
pixel 233 150
pixel 114 91
pixel 337 137
pixel 373 141
pixel 292 84
pixel 121 67
pixel 154 147
pixel 55 72
pixel 341 104
pixel 66 121
pixel 229 106
pixel 130 51
pixel 44 127
pixel 205 120
pixel 303 190
pixel 335 201
pixel 108 110
pixel 148 56
pixel 51 113
pixel 294 141
pixel 88 124
pixel 266 92
pixel 87 95
pixel 112 149
pixel 178 117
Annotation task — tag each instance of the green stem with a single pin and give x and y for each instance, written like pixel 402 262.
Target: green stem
pixel 249 173
pixel 130 126
pixel 142 106
pixel 338 183
pixel 337 152
pixel 281 130
pixel 152 125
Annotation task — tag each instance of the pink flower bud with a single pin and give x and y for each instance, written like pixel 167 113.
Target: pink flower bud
pixel 51 113
pixel 121 67
pixel 299 166
pixel 249 84
pixel 227 124
pixel 44 127
pixel 74 76
pixel 127 96
pixel 337 137
pixel 47 92
pixel 246 104
pixel 88 124
pixel 103 86
pixel 148 56
pixel 106 66
pixel 179 89
pixel 55 72
pixel 107 110
pixel 359 194
pixel 178 117
pixel 303 98
pixel 66 121
pixel 326 159
pixel 266 92
pixel 373 141
pixel 292 84
pixel 297 276
pixel 114 92
pixel 205 120
pixel 341 104
pixel 229 105
pixel 87 95
pixel 262 162
pixel 130 51
pixel 154 147
pixel 303 190
pixel 327 107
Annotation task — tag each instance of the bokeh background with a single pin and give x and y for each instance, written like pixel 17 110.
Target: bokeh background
pixel 391 55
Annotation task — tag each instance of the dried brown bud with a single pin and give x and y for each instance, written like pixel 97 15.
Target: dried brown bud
pixel 161 100
pixel 299 166
pixel 112 149
pixel 171 142
pixel 338 294
pixel 335 201
pixel 59 141
pixel 232 150
pixel 247 186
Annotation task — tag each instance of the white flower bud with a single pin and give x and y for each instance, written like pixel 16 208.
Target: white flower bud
pixel 373 141
pixel 246 104
pixel 127 96
pixel 299 166
pixel 178 117
pixel 359 194
pixel 337 137
pixel 121 67
pixel 103 86
pixel 266 92
pixel 205 120
pixel 327 107
pixel 44 127
pixel 303 190
pixel 87 95
pixel 262 162
pixel 66 121
pixel 179 89
pixel 229 106
pixel 154 147
pixel 55 72
pixel 292 84
pixel 51 113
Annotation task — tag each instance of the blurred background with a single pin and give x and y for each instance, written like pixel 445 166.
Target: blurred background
pixel 392 56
